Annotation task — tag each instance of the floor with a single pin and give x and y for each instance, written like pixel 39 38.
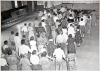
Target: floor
pixel 87 55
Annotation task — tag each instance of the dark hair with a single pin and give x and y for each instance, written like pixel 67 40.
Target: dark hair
pixel 36 18
pixel 22 41
pixel 42 20
pixel 71 24
pixel 89 17
pixel 25 24
pixel 81 19
pixel 24 36
pixel 29 24
pixel 63 26
pixel 9 52
pixel 59 46
pixel 70 15
pixel 70 36
pixel 40 24
pixel 17 34
pixel 5 42
pixel 78 27
pixel 44 54
pixel 31 38
pixel 34 52
pixel 61 6
pixel 12 32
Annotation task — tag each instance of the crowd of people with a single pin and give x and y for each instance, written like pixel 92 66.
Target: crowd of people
pixel 53 35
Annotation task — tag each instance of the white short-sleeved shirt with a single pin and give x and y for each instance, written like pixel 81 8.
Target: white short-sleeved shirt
pixel 42 50
pixel 33 45
pixel 60 16
pixel 62 9
pixel 34 59
pixel 17 40
pixel 43 18
pixel 60 39
pixel 82 23
pixel 59 54
pixel 55 18
pixel 5 46
pixel 24 29
pixel 71 31
pixel 24 49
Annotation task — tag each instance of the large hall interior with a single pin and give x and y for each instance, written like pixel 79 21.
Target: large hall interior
pixel 50 35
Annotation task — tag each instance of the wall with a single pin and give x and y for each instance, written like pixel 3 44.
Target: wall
pixel 24 2
pixel 6 5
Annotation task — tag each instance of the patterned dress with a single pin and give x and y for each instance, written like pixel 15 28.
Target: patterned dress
pixel 78 38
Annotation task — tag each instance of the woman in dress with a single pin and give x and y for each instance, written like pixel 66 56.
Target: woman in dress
pixel 54 33
pixel 78 38
pixel 71 44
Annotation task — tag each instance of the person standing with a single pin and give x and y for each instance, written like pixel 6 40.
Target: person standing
pixel 17 41
pixel 71 44
pixel 59 56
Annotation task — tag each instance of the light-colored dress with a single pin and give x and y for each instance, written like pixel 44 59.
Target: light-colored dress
pixel 17 41
pixel 54 33
pixel 31 32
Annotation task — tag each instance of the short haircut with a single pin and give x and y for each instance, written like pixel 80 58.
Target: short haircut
pixel 81 19
pixel 31 38
pixel 9 52
pixel 59 46
pixel 22 41
pixel 44 54
pixel 71 24
pixel 70 36
pixel 5 42
pixel 70 15
pixel 29 24
pixel 24 36
pixel 78 27
pixel 36 18
pixel 34 52
pixel 40 24
pixel 25 24
pixel 42 20
pixel 17 34
pixel 12 32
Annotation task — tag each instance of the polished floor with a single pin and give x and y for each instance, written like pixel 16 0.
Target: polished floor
pixel 87 54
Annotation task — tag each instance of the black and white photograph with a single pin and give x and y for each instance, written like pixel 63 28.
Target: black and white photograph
pixel 50 35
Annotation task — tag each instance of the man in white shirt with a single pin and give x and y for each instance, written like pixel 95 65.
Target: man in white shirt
pixel 55 18
pixel 24 29
pixel 82 27
pixel 55 10
pixel 17 41
pixel 44 25
pixel 43 17
pixel 33 44
pixel 62 9
pixel 71 31
pixel 59 56
pixel 40 13
pixel 36 22
pixel 24 48
pixel 34 59
pixel 60 38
